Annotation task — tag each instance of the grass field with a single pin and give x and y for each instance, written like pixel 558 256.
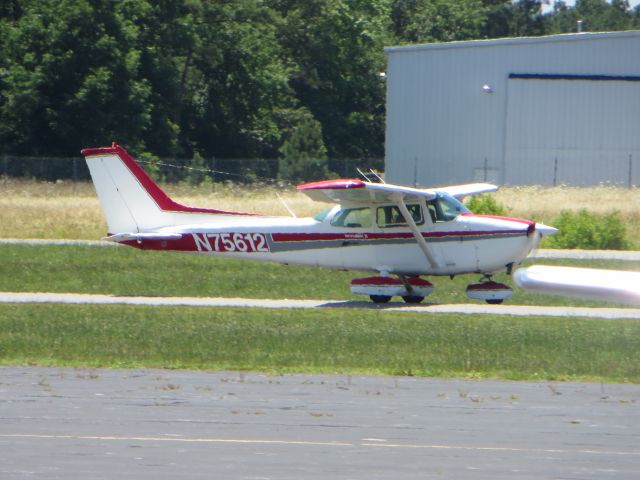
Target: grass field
pixel 127 271
pixel 320 341
pixel 30 209
pixel 352 341
pixel 332 340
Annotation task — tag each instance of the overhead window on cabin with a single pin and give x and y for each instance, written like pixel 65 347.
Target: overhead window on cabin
pixel 391 216
pixel 353 218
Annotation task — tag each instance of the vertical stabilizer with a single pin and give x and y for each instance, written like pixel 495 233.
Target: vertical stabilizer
pixel 131 200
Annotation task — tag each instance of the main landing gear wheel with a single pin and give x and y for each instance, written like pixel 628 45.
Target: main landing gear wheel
pixel 381 289
pixel 380 298
pixel 412 298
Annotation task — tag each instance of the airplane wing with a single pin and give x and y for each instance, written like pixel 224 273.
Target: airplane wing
pixel 461 191
pixel 608 285
pixel 358 191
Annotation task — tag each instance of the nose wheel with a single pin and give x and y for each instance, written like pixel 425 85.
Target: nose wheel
pixel 494 293
pixel 412 298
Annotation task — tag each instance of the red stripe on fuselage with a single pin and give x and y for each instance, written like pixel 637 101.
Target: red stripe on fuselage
pixel 188 244
pixel 308 237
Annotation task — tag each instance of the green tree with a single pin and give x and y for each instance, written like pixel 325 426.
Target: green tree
pixel 336 52
pixel 438 20
pixel 304 156
pixel 68 79
pixel 236 90
pixel 596 16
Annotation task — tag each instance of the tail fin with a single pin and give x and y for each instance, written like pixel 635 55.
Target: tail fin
pixel 130 199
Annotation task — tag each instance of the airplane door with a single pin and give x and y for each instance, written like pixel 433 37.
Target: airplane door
pixel 398 250
pixel 458 254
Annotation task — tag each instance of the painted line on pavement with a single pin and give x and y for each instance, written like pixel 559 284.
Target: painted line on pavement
pixel 180 439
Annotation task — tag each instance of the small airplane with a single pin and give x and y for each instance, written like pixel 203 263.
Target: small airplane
pixel 398 232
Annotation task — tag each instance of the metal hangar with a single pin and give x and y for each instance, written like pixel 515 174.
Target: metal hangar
pixel 562 109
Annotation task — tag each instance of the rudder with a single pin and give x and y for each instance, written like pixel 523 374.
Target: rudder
pixel 130 199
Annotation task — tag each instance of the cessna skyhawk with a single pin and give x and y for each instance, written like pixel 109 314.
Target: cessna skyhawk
pixel 398 232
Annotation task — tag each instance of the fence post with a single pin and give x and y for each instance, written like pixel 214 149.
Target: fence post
pixel 630 170
pixel 555 171
pixel 486 168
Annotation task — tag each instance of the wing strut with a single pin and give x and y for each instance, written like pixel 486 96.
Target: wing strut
pixel 422 243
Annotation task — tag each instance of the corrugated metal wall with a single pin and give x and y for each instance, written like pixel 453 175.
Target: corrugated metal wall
pixel 563 109
pixel 572 131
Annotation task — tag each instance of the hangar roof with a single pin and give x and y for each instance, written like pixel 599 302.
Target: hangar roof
pixel 569 37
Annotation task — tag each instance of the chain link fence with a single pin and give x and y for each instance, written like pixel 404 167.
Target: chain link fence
pixel 173 170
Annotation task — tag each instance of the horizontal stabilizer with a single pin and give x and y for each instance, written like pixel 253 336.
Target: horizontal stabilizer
pixel 125 237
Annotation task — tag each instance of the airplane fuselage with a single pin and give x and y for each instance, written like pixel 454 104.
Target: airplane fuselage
pixel 466 244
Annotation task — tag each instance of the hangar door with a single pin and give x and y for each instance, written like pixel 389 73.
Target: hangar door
pixel 574 130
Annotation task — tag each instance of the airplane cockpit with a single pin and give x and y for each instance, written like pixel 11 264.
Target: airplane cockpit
pixel 443 208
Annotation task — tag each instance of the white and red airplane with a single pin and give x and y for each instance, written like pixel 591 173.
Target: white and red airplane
pixel 398 232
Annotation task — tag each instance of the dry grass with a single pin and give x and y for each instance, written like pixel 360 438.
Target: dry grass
pixel 30 209
pixel 66 210
pixel 545 203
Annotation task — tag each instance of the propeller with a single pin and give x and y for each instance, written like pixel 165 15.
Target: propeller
pixel 596 284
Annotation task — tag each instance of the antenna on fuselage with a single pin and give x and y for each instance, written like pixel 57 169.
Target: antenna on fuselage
pixel 371 176
pixel 291 212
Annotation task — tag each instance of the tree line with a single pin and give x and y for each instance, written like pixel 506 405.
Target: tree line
pixel 298 80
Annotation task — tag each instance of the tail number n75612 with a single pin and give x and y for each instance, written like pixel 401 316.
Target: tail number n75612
pixel 230 242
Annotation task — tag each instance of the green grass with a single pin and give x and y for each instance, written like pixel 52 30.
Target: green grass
pixel 327 341
pixel 127 271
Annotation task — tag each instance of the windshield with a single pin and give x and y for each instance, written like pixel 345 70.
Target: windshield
pixel 445 208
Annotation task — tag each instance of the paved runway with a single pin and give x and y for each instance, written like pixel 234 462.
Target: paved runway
pixel 157 424
pixel 476 308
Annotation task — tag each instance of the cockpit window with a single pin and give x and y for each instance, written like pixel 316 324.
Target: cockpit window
pixel 353 218
pixel 391 216
pixel 445 208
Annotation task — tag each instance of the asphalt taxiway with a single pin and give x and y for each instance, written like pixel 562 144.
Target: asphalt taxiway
pixel 478 308
pixel 157 424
